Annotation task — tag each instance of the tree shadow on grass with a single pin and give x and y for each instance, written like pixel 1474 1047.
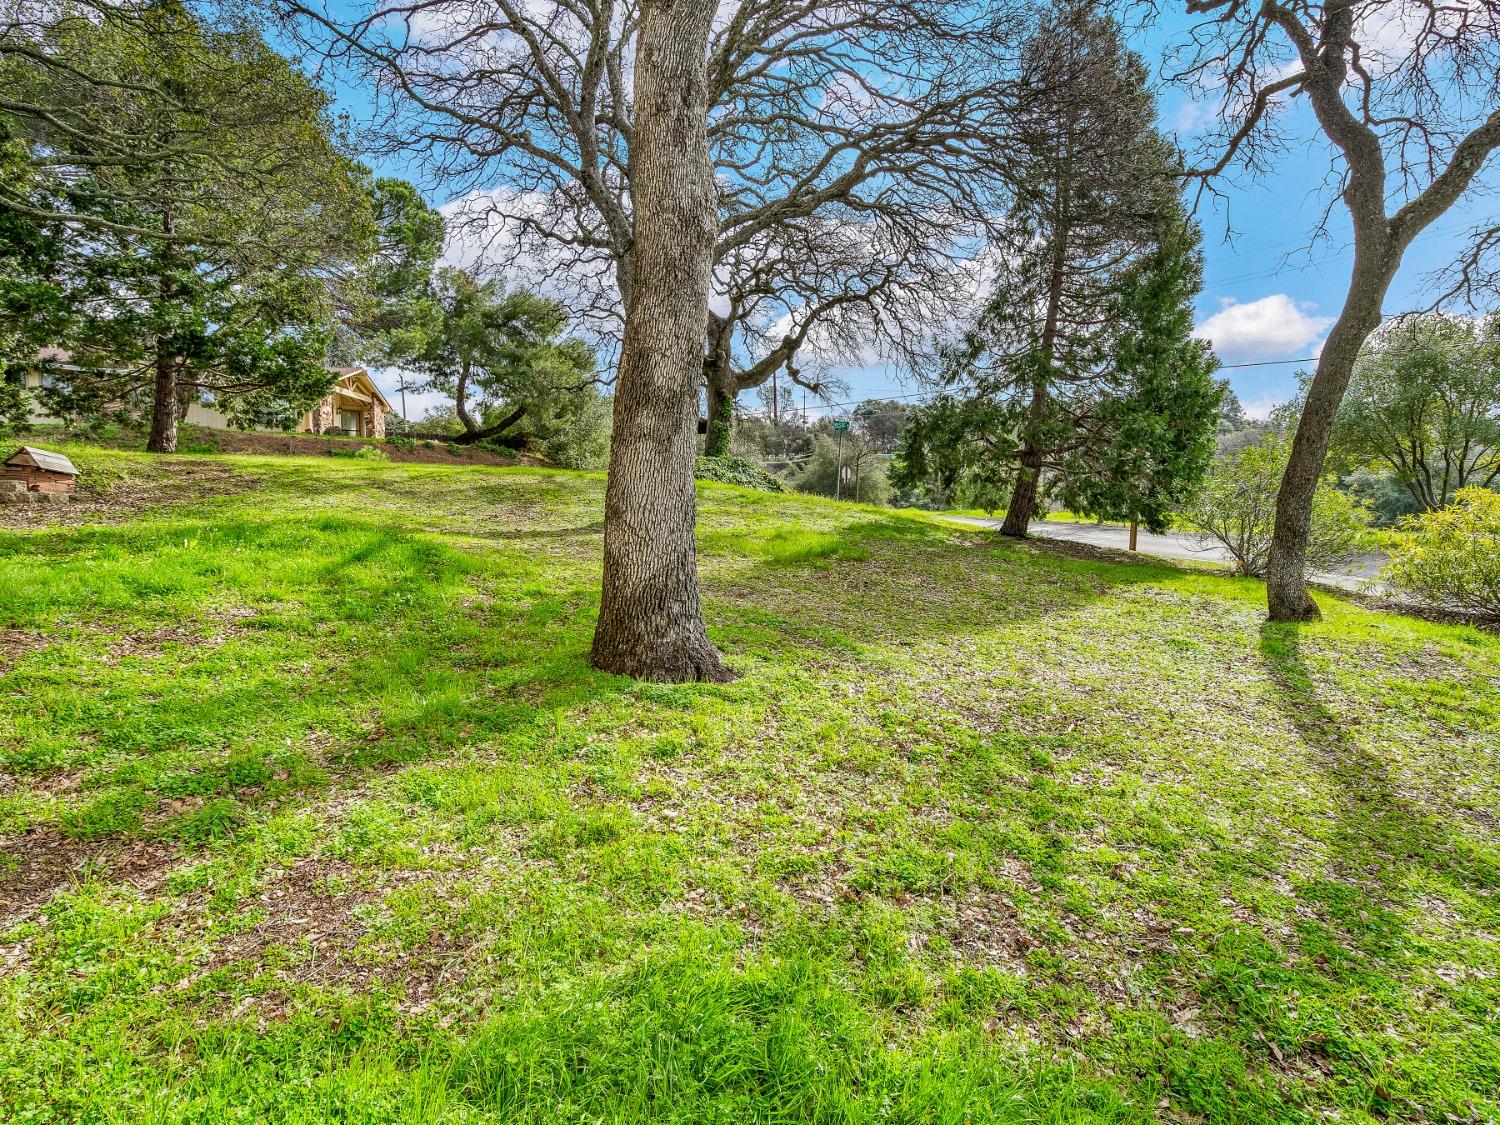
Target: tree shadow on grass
pixel 884 581
pixel 596 528
pixel 1382 842
pixel 364 649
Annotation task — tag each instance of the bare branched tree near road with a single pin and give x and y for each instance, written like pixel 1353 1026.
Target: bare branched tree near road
pixel 1408 95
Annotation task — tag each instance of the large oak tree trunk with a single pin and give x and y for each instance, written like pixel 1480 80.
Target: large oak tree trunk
pixel 650 620
pixel 1287 598
pixel 163 437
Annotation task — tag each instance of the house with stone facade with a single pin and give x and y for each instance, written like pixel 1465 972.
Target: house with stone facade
pixel 355 407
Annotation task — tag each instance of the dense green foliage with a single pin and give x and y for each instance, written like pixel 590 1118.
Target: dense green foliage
pixel 1236 507
pixel 1154 439
pixel 393 311
pixel 1452 556
pixel 204 206
pixel 499 353
pixel 735 470
pixel 1424 405
pixel 315 812
pixel 855 457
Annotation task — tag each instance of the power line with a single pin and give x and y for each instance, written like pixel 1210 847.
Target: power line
pixel 1266 363
pixel 929 394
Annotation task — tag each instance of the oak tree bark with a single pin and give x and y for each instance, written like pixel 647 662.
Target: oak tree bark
pixel 1375 266
pixel 650 618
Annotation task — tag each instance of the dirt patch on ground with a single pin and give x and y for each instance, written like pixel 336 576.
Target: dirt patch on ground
pixel 37 864
pixel 16 643
pixel 173 481
pixel 313 445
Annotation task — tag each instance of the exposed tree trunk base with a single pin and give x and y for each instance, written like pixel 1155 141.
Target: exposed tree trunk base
pixel 1290 602
pixel 1022 506
pixel 689 661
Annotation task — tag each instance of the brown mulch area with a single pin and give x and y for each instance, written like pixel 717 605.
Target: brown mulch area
pixel 311 445
pixel 174 482
pixel 42 861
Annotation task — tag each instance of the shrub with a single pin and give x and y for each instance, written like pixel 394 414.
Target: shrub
pixel 371 453
pixel 1452 556
pixel 400 441
pixel 736 470
pixel 866 481
pixel 1237 508
pixel 455 450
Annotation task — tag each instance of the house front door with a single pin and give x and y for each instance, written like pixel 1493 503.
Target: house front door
pixel 349 422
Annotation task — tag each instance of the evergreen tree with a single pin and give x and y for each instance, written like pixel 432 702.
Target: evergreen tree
pixel 1087 332
pixel 500 355
pixel 1152 438
pixel 211 219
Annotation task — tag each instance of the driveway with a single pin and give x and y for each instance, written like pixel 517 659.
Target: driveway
pixel 1358 574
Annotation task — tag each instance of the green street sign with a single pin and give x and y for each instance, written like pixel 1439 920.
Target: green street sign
pixel 840 426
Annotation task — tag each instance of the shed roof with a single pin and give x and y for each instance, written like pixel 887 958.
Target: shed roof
pixel 42 459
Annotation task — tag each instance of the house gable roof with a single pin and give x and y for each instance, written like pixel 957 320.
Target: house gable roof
pixel 30 457
pixel 359 379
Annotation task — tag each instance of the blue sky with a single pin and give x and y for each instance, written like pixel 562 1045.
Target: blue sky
pixel 1267 298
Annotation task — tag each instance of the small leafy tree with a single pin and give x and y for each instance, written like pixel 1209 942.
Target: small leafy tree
pixel 1237 508
pixel 1424 402
pixel 499 354
pixel 866 482
pixel 1452 556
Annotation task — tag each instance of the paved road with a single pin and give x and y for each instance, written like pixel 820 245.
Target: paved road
pixel 1359 574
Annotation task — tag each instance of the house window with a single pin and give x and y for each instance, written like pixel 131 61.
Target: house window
pixel 349 421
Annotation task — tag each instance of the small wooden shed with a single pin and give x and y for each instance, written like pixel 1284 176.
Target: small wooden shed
pixel 40 470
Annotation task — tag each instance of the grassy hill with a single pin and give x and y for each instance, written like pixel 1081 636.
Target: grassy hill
pixel 311 810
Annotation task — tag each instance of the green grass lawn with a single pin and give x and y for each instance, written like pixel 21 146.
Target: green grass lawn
pixel 312 810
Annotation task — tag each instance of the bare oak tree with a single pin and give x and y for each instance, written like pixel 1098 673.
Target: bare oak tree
pixel 1407 95
pixel 856 151
pixel 650 623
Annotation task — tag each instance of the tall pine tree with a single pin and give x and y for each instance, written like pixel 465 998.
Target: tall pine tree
pixel 1087 331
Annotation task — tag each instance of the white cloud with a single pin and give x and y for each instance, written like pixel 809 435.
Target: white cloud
pixel 1189 118
pixel 1260 407
pixel 1273 327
